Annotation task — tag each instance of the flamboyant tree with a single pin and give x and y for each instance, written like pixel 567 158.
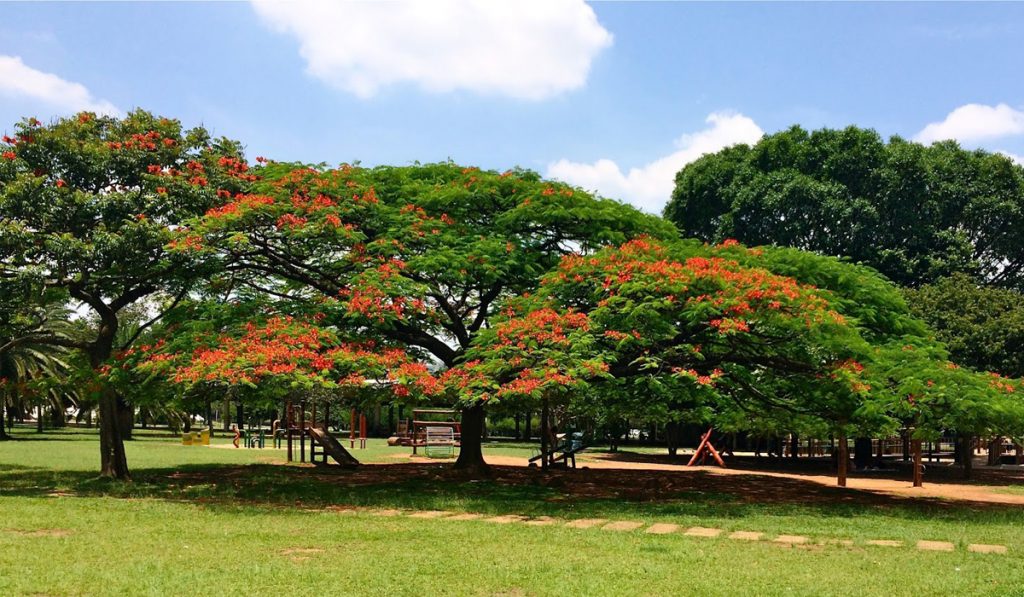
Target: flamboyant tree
pixel 91 208
pixel 271 357
pixel 704 330
pixel 416 256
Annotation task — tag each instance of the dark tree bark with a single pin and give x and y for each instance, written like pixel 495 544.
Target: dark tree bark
pixel 966 455
pixel 517 431
pixel 545 431
pixel 113 462
pixel 794 445
pixel 528 427
pixel 126 418
pixel 471 455
pixel 39 419
pixel 3 422
pixel 672 438
pixel 995 451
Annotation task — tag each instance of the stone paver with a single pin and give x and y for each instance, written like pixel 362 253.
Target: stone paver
pixel 790 539
pixel 935 545
pixel 702 532
pixel 983 548
pixel 506 519
pixel 884 542
pixel 662 528
pixel 622 525
pixel 466 516
pixel 541 521
pixel 585 523
pixel 746 535
pixel 429 514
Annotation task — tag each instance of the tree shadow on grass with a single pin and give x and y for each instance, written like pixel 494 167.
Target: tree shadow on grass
pixel 601 493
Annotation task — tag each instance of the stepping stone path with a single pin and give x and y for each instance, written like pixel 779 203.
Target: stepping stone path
pixel 429 514
pixel 585 523
pixel 507 519
pixel 662 528
pixel 935 546
pixel 983 548
pixel 622 525
pixel 665 528
pixel 703 532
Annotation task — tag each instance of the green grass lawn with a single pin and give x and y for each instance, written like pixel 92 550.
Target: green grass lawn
pixel 207 520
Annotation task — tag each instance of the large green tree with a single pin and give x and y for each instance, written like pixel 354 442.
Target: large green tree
pixel 915 213
pixel 91 209
pixel 416 256
pixel 983 327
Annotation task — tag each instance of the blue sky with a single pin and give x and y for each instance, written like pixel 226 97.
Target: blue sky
pixel 612 96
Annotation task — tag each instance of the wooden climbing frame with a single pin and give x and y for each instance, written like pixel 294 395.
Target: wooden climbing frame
pixel 705 449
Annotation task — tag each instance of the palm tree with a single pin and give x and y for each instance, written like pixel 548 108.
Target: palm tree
pixel 31 349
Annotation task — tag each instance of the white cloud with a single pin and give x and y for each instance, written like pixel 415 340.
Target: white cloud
pixel 18 80
pixel 528 49
pixel 650 186
pixel 975 122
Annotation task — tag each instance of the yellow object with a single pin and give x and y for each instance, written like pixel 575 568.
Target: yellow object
pixel 186 439
pixel 204 437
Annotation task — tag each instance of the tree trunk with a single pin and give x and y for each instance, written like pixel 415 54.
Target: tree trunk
pixel 3 420
pixel 995 451
pixel 471 455
pixel 39 419
pixel 225 414
pixel 528 427
pixel 113 462
pixel 517 431
pixel 672 437
pixel 125 417
pixel 966 455
pixel 794 446
pixel 843 459
pixel 918 464
pixel 545 432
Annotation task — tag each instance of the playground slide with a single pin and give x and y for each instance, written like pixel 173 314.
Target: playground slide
pixel 332 447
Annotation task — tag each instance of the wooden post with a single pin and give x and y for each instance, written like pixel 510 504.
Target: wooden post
pixel 302 431
pixel 843 458
pixel 544 430
pixel 289 420
pixel 918 463
pixel 362 431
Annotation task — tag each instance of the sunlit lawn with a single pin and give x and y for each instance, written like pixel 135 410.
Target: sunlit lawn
pixel 238 521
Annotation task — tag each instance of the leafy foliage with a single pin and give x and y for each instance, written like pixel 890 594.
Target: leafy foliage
pixel 914 213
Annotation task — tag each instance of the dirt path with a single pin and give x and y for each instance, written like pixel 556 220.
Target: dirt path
pixel 951 491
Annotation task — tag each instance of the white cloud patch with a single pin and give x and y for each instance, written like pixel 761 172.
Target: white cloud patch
pixel 527 49
pixel 650 186
pixel 18 80
pixel 972 123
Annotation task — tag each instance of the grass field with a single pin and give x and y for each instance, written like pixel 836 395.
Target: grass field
pixel 208 520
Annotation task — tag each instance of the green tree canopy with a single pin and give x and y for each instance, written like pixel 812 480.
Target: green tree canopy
pixel 915 213
pixel 91 209
pixel 983 327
